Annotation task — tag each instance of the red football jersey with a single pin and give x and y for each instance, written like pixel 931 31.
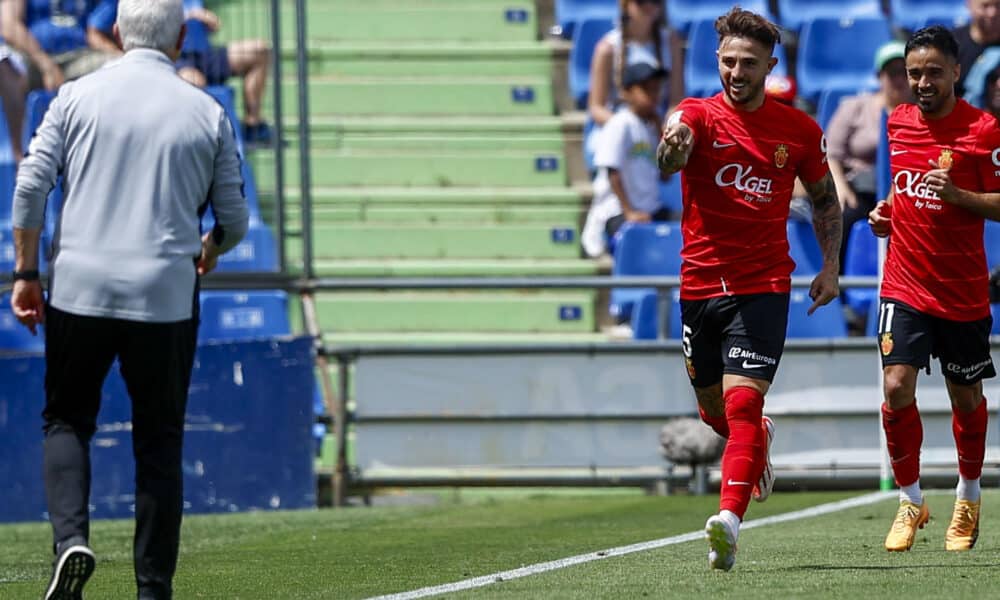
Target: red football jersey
pixel 936 262
pixel 737 187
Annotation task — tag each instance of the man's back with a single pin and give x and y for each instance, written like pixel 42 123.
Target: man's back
pixel 140 152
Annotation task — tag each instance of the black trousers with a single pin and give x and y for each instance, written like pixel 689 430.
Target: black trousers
pixel 156 361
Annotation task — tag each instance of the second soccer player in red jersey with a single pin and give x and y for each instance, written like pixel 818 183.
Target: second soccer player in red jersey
pixel 944 156
pixel 740 154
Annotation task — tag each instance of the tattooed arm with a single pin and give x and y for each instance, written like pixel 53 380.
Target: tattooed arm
pixel 828 221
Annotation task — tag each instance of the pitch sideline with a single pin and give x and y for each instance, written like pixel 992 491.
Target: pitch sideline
pixel 477 582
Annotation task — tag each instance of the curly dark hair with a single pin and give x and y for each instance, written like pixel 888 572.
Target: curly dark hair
pixel 934 36
pixel 743 23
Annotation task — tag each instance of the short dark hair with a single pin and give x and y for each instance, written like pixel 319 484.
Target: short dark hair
pixel 934 36
pixel 743 23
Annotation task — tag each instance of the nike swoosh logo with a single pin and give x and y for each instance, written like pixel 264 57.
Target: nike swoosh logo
pixel 716 144
pixel 731 482
pixel 974 373
pixel 747 365
pixel 897 152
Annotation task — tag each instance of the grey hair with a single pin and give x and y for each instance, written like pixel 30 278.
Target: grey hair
pixel 152 24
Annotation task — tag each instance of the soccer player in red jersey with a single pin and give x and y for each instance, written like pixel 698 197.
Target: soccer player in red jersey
pixel 944 157
pixel 740 153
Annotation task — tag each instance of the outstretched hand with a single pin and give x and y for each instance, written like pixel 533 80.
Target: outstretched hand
pixel 675 147
pixel 825 287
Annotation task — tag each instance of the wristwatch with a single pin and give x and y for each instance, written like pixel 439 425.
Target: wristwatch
pixel 28 275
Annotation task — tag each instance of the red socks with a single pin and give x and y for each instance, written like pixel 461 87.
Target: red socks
pixel 905 434
pixel 743 460
pixel 719 423
pixel 970 439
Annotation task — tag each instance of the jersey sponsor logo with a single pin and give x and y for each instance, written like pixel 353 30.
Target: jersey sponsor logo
pixel 911 184
pixel 754 188
pixel 692 374
pixel 781 156
pixel 945 159
pixel 760 360
pixel 969 372
pixel 995 157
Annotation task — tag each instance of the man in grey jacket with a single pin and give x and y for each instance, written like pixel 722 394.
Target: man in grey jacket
pixel 142 155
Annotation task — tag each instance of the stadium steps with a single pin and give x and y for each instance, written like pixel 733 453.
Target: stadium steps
pixel 424 338
pixel 438 169
pixel 443 241
pixel 429 312
pixel 433 214
pixel 511 95
pixel 387 20
pixel 455 267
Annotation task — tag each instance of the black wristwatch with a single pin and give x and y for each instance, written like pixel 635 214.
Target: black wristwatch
pixel 29 275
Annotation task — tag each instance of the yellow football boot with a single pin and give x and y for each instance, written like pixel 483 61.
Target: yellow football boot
pixel 963 531
pixel 909 518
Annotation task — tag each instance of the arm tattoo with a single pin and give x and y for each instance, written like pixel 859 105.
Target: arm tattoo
pixel 828 219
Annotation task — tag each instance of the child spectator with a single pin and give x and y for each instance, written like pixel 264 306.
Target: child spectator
pixel 626 188
pixel 641 36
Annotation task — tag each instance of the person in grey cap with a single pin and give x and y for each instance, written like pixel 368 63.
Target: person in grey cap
pixel 142 154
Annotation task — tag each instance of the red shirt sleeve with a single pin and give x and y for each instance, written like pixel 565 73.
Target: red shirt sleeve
pixel 691 112
pixel 813 167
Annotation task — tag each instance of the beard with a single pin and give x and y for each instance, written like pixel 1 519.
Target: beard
pixel 747 94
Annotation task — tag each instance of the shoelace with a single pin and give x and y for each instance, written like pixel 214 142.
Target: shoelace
pixel 905 517
pixel 965 519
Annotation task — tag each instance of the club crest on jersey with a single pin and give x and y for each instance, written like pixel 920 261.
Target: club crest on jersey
pixel 781 156
pixel 945 160
pixel 886 344
pixel 690 367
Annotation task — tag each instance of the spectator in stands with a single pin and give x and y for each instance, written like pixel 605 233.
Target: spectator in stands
pixel 203 64
pixel 853 135
pixel 642 36
pixel 981 32
pixel 741 153
pixel 52 36
pixel 13 87
pixel 934 299
pixel 142 153
pixel 981 88
pixel 626 188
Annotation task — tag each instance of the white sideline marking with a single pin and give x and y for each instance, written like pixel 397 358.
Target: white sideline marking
pixel 476 582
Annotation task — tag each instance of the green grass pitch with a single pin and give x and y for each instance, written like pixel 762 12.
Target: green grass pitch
pixel 363 552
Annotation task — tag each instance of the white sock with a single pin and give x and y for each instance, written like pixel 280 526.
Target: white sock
pixel 967 489
pixel 912 493
pixel 732 520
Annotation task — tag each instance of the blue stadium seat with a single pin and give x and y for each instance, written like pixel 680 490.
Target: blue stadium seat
pixel 685 13
pixel 15 337
pixel 670 194
pixel 916 14
pixel 871 324
pixel 643 249
pixel 255 253
pixel 701 67
pixel 570 13
pixel 35 106
pixel 827 322
pixel 861 259
pixel 229 316
pixel 7 249
pixel 829 100
pixel 794 14
pixel 995 313
pixel 646 316
pixel 803 247
pixel 585 38
pixel 225 96
pixel 838 54
pixel 991 240
pixel 7 176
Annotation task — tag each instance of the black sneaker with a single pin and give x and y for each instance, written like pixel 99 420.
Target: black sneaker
pixel 258 136
pixel 72 568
